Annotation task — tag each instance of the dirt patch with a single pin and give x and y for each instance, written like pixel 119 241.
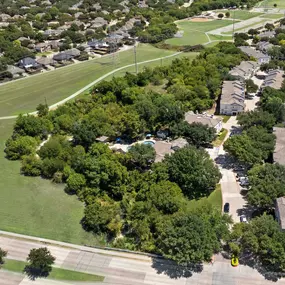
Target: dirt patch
pixel 200 20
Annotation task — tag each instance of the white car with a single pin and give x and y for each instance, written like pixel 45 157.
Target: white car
pixel 243 219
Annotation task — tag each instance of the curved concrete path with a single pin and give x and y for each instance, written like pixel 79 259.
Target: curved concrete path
pixel 93 83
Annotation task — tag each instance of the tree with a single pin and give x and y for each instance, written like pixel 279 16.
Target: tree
pixel 166 196
pixel 40 263
pixel 251 87
pixel 194 171
pixel 195 133
pixel 267 183
pixel 31 165
pixel 262 242
pixel 256 118
pixel 220 15
pixel 3 254
pixel 42 110
pixel 269 26
pixel 228 14
pixel 75 182
pixel 98 216
pixel 142 155
pixel 188 238
pixel 253 32
pixel 20 146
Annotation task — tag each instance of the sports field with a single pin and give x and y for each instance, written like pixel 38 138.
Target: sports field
pixel 240 14
pixel 195 32
pixel 24 95
pixel 270 4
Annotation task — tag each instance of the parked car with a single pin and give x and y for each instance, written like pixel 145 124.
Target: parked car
pixel 244 183
pixel 243 178
pixel 243 219
pixel 227 207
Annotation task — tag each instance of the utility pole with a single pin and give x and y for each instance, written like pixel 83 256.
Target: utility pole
pixel 136 63
pixel 234 24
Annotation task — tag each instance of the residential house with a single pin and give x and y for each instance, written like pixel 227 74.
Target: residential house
pixel 67 55
pixel 232 98
pixel 28 63
pixel 280 212
pixel 162 148
pixel 43 47
pixel 258 55
pixel 209 121
pixel 264 46
pixel 52 33
pixel 274 79
pixel 15 71
pixel 5 17
pixel 45 61
pixel 98 23
pixel 245 70
pixel 279 152
pixel 267 34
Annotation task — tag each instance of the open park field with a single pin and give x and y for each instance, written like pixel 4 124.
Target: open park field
pixel 270 4
pixel 195 32
pixel 24 95
pixel 35 206
pixel 240 14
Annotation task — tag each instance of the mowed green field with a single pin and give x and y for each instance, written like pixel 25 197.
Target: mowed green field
pixel 194 32
pixel 270 4
pixel 272 16
pixel 240 14
pixel 35 206
pixel 24 95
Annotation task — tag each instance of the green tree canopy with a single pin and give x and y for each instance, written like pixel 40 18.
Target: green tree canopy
pixel 194 171
pixel 3 254
pixel 142 155
pixel 40 263
pixel 267 183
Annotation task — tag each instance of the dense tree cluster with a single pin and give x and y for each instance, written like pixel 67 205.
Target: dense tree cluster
pixel 128 197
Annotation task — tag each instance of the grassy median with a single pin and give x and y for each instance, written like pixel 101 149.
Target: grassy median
pixel 57 273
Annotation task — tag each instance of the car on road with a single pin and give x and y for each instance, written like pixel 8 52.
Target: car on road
pixel 244 183
pixel 227 207
pixel 243 219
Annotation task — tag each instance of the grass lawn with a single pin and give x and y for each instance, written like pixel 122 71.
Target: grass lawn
pixel 25 95
pixel 220 138
pixel 270 4
pixel 240 14
pixel 57 273
pixel 215 199
pixel 194 32
pixel 272 16
pixel 37 207
pixel 247 27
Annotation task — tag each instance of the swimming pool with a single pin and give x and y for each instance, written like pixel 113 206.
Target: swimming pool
pixel 149 143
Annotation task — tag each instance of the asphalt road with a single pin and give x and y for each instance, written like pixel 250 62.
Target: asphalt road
pixel 130 269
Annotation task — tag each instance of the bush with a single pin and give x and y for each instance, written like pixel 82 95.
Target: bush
pixel 31 165
pixel 20 146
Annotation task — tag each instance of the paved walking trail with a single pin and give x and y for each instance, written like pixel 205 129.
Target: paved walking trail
pixel 95 82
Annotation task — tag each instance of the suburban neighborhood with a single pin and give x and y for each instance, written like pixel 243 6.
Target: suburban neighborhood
pixel 143 142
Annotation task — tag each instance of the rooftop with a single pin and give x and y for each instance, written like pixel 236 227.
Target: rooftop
pixel 280 203
pixel 279 152
pixel 190 118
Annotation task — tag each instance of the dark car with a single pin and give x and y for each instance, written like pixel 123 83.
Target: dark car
pixel 226 207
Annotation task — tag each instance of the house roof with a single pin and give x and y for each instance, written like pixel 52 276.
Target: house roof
pixel 14 69
pixel 45 60
pixel 280 203
pixel 190 118
pixel 279 152
pixel 264 45
pixel 27 61
pixel 162 148
pixel 245 69
pixel 253 52
pixel 274 79
pixel 233 93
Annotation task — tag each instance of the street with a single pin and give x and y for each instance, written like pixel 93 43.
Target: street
pixel 125 268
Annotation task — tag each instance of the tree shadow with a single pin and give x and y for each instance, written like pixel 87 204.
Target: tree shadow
pixel 225 161
pixel 34 273
pixel 173 270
